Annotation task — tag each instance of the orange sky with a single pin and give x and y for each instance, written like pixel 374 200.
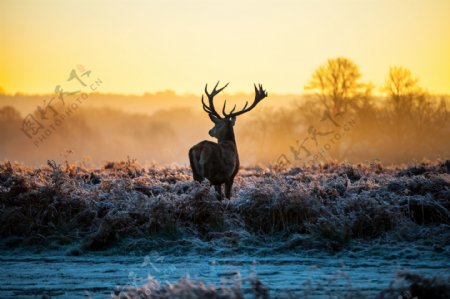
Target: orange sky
pixel 139 46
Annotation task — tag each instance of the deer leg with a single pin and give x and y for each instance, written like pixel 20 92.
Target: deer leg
pixel 195 174
pixel 228 186
pixel 219 191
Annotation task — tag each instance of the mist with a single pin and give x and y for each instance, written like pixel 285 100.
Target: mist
pixel 289 129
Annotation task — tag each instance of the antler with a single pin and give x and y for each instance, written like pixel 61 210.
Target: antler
pixel 260 94
pixel 210 109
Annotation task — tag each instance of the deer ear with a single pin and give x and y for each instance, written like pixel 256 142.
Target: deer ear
pixel 233 120
pixel 213 118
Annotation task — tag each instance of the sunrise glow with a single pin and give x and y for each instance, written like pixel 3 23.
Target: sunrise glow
pixel 147 46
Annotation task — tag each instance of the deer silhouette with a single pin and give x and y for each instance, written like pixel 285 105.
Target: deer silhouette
pixel 219 162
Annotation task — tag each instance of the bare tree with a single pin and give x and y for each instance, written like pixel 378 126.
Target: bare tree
pixel 414 113
pixel 410 102
pixel 336 82
pixel 402 90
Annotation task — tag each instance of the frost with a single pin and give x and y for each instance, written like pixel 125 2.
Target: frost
pixel 330 203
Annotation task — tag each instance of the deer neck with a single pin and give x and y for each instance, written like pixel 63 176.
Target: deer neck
pixel 228 136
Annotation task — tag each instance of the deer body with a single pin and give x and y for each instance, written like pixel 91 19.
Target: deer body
pixel 219 162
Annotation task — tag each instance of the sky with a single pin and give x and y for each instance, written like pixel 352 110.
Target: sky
pixel 149 46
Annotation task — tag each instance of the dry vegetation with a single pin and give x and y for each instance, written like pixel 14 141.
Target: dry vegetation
pixel 406 285
pixel 126 205
pixel 186 288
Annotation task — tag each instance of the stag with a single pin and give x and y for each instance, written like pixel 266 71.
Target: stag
pixel 219 162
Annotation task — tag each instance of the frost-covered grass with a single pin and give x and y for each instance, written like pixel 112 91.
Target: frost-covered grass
pixel 323 206
pixel 406 285
pixel 187 288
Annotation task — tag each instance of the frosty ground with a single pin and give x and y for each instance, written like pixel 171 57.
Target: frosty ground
pixel 387 217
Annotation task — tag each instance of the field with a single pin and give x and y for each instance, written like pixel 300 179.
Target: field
pixel 331 209
pixel 328 120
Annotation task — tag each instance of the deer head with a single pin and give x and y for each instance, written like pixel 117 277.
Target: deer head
pixel 223 125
